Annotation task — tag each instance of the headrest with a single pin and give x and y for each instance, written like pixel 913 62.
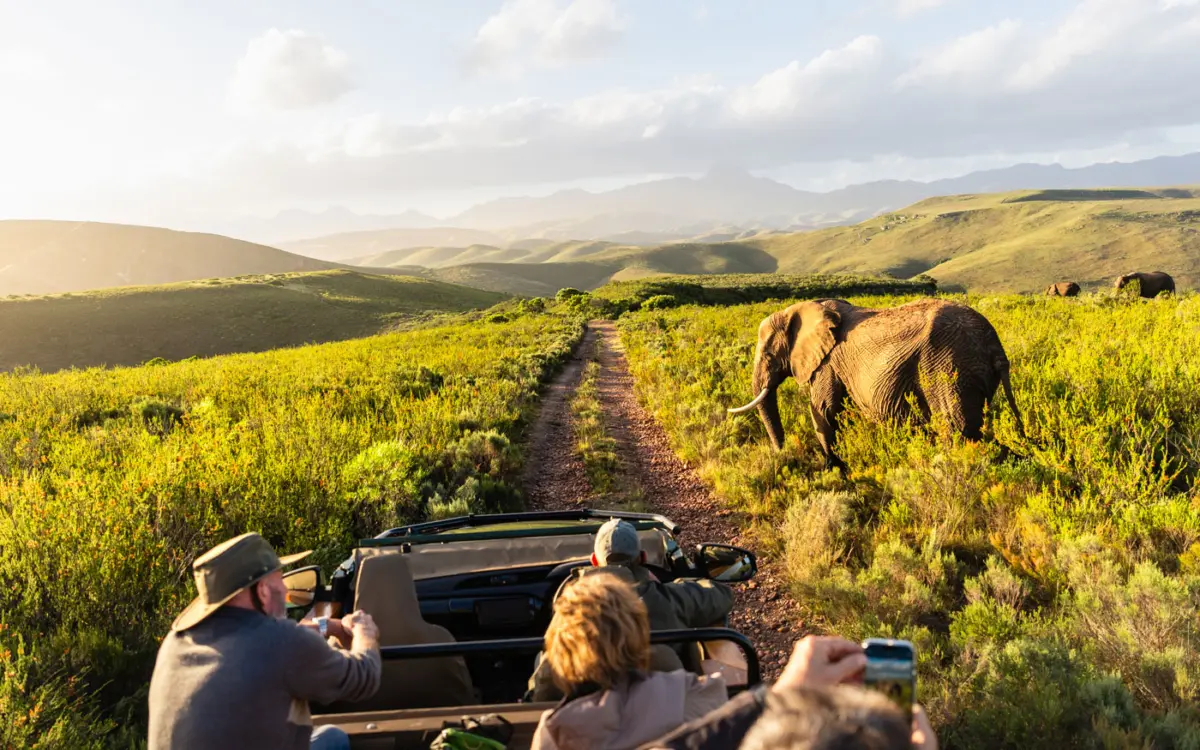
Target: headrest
pixel 385 590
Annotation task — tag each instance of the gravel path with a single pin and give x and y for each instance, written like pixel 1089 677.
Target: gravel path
pixel 763 610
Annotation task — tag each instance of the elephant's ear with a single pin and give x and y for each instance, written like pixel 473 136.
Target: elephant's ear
pixel 813 337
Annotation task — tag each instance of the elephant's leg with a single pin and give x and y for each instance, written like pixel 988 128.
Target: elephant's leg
pixel 826 397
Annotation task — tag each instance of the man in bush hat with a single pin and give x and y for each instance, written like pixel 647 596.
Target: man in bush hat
pixel 234 672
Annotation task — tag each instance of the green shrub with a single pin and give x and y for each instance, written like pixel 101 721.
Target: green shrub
pixel 659 302
pixel 384 481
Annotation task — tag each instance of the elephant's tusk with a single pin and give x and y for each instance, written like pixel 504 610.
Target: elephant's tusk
pixel 757 400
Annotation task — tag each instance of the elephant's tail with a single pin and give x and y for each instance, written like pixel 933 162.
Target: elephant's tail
pixel 1012 401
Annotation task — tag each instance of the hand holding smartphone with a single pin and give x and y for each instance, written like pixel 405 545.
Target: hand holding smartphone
pixel 892 670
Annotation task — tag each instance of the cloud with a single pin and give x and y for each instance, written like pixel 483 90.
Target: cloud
pixel 1008 88
pixel 545 33
pixel 905 8
pixel 291 69
pixel 971 59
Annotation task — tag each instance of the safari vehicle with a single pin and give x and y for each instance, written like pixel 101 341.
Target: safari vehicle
pixel 462 605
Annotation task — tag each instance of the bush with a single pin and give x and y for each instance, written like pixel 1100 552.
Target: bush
pixel 384 483
pixel 659 302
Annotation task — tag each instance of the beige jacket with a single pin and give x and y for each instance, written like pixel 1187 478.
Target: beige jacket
pixel 631 713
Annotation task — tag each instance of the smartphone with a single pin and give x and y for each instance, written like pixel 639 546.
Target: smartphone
pixel 892 670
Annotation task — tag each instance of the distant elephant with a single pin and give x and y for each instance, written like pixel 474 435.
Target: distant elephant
pixel 945 355
pixel 1063 289
pixel 1152 282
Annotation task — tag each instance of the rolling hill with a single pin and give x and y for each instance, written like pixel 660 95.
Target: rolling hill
pixel 48 257
pixel 615 264
pixel 994 242
pixel 130 325
pixel 1017 242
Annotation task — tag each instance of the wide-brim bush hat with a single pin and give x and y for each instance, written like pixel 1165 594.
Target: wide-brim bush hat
pixel 228 569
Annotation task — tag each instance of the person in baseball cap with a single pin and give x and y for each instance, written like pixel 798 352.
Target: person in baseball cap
pixel 681 603
pixel 235 672
pixel 617 543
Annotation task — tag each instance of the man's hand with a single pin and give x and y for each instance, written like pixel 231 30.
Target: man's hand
pixel 923 737
pixel 819 661
pixel 363 628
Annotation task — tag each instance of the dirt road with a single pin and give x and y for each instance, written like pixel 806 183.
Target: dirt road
pixel 555 479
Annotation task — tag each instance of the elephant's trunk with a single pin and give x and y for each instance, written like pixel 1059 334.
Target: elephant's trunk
pixel 768 406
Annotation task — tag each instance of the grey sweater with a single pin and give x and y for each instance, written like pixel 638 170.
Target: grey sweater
pixel 240 679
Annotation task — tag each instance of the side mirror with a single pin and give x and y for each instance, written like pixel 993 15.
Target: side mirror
pixel 724 562
pixel 302 586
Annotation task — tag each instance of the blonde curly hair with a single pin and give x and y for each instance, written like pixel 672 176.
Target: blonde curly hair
pixel 600 632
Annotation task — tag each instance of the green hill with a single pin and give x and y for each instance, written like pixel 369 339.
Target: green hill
pixel 131 325
pixel 48 257
pixel 1017 242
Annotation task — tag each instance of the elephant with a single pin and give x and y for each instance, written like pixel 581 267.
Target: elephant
pixel 945 356
pixel 1152 282
pixel 1063 289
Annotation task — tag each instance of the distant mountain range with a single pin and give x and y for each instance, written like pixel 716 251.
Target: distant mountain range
pixel 724 201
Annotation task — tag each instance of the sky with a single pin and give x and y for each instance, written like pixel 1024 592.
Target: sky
pixel 177 113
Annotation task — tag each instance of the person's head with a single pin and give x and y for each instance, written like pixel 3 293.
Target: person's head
pixel 830 718
pixel 242 572
pixel 600 633
pixel 617 543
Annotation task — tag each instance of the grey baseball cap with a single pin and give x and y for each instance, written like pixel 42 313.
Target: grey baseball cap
pixel 617 543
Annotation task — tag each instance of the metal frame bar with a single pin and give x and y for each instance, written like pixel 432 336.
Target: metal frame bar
pixel 533 645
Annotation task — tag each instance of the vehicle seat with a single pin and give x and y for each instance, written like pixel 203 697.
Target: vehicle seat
pixel 385 590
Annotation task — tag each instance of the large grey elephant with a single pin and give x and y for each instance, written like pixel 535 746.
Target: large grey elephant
pixel 1063 289
pixel 1151 282
pixel 944 355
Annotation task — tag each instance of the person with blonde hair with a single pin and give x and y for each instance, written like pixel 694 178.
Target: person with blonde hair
pixel 598 646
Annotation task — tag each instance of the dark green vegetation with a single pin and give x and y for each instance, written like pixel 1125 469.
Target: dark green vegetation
pixel 112 481
pixel 732 289
pixel 47 257
pixel 1011 242
pixel 131 325
pixel 1054 599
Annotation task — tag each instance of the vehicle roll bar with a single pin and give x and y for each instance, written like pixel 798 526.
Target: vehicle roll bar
pixel 533 645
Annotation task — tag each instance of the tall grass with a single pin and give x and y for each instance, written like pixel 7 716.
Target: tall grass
pixel 112 481
pixel 1055 598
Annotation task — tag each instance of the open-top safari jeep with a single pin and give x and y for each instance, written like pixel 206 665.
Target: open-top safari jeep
pixel 462 605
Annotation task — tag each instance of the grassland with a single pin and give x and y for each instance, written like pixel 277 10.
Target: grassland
pixel 131 325
pixel 112 481
pixel 1054 599
pixel 48 257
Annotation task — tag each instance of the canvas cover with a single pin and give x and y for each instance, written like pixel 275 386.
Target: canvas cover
pixel 480 556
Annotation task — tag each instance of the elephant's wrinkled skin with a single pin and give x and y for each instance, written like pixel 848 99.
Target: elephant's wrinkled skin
pixel 1151 282
pixel 1063 289
pixel 946 356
